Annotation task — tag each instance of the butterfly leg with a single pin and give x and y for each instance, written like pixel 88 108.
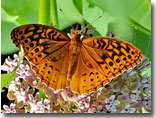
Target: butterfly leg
pixel 68 87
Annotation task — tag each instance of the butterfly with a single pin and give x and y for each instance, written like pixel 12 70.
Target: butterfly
pixel 83 64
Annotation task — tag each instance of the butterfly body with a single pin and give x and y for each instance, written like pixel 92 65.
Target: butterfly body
pixel 74 51
pixel 83 64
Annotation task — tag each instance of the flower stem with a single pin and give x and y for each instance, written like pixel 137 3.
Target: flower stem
pixel 44 12
pixel 54 12
pixel 44 18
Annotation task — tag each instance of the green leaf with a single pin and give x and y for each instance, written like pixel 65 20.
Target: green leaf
pixel 17 20
pixel 143 42
pixel 121 29
pixel 2 90
pixel 42 95
pixel 7 78
pixel 22 21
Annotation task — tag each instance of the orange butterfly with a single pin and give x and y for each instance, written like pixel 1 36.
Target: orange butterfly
pixel 83 64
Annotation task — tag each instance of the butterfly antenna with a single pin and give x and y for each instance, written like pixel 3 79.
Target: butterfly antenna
pixel 92 22
pixel 66 18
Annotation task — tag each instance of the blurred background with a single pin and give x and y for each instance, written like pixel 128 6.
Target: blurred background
pixel 127 19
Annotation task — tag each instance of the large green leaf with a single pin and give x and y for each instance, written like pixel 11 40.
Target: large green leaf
pixel 25 8
pixel 142 15
pixel 15 13
pixel 8 23
pixel 78 5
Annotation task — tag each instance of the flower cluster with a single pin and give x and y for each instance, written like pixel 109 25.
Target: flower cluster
pixel 128 93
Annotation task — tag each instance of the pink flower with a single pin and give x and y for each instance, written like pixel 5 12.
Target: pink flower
pixel 84 102
pixel 35 103
pixel 68 95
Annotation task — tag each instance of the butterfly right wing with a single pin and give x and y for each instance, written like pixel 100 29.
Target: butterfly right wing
pixel 46 50
pixel 100 60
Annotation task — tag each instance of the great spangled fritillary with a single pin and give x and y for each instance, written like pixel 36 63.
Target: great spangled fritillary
pixel 85 65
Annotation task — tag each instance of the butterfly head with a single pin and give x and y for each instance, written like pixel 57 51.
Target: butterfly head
pixel 76 35
pixel 77 32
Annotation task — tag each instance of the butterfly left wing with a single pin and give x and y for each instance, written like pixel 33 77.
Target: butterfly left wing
pixel 100 60
pixel 46 50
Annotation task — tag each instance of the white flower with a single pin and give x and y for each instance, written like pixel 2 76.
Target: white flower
pixel 10 109
pixel 100 107
pixel 146 79
pixel 111 103
pixel 128 109
pixel 147 102
pixel 134 96
pixel 147 91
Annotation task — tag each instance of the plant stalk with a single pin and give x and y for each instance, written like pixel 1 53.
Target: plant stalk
pixel 54 13
pixel 44 12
